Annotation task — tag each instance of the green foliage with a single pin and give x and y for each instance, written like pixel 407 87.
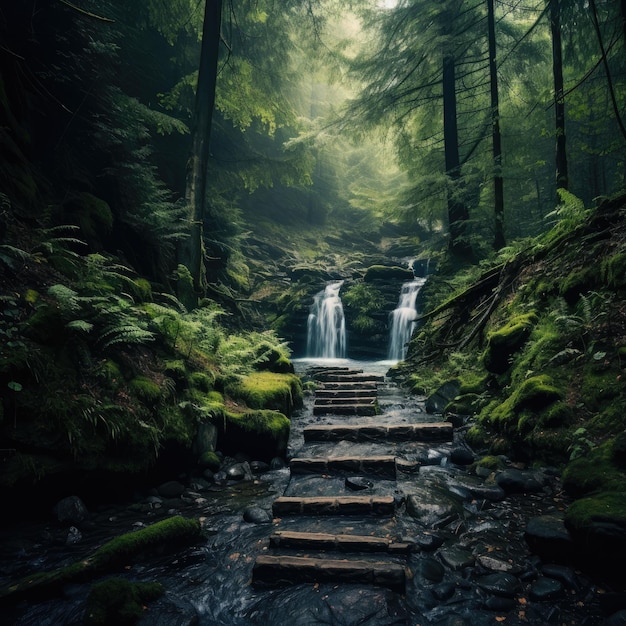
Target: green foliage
pixel 581 444
pixel 117 600
pixel 613 270
pixel 363 297
pixel 504 342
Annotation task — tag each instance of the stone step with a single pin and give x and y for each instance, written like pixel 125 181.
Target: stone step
pixel 338 543
pixel 289 570
pixel 346 393
pixel 366 384
pixel 429 431
pixel 331 369
pixel 330 505
pixel 345 409
pixel 348 377
pixel 382 465
pixel 344 401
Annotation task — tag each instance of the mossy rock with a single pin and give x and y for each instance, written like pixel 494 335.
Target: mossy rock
pixel 145 389
pixel 557 415
pixel 595 472
pixel 209 460
pixel 384 272
pixel 261 434
pixel 577 283
pixel 272 359
pixel 504 342
pixel 533 396
pixel 465 404
pixel 165 535
pixel 269 390
pixel 477 437
pixel 490 462
pixel 598 524
pixel 119 601
pixel 202 381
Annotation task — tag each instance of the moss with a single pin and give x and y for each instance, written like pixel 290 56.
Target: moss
pixel 363 298
pixel 262 434
pixel 110 372
pixel 145 389
pixel 269 390
pixel 119 601
pixel 477 436
pixel 465 404
pixel 535 394
pixel 599 387
pixel 503 343
pixel 606 506
pixel 555 416
pixel 577 283
pixel 176 370
pixel 383 272
pixel 209 460
pixel 202 381
pixel 490 462
pixel 167 534
pixel 597 471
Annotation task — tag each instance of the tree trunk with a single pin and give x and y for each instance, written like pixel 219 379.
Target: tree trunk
pixel 192 252
pixel 559 99
pixel 457 211
pixel 498 183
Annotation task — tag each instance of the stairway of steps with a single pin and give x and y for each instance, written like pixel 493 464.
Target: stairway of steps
pixel 337 518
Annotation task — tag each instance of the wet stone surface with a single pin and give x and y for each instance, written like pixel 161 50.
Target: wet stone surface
pixel 470 560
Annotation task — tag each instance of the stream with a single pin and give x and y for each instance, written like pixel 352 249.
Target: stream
pixel 470 564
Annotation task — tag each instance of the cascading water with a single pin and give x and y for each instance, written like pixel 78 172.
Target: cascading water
pixel 326 326
pixel 403 319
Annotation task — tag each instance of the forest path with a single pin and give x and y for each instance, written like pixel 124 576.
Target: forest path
pixel 339 515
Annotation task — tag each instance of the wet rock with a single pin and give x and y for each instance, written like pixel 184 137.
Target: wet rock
pixel 71 509
pixel 73 536
pixel 495 565
pixel 220 479
pixel 461 456
pixel 517 481
pixel 499 604
pixel 501 584
pixel 617 619
pixel 457 557
pixel 256 515
pixel 548 537
pixel 493 493
pixel 443 591
pixel 208 475
pixel 560 572
pixel 358 483
pixel 259 467
pixel 545 589
pixel 431 569
pixel 199 484
pixel 171 489
pixel 239 471
pixel 429 542
pixel 205 440
pixel 443 396
pixel 278 463
pixel 432 508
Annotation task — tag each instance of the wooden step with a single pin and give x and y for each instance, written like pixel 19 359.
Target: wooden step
pixel 382 465
pixel 288 570
pixel 340 505
pixel 339 543
pixel 429 431
pixel 346 409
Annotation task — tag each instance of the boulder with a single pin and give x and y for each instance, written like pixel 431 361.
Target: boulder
pixel 71 509
pixel 438 401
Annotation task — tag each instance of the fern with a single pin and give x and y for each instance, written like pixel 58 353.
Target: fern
pixel 80 325
pixel 10 255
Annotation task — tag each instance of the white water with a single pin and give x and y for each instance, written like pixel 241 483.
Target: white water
pixel 326 326
pixel 403 319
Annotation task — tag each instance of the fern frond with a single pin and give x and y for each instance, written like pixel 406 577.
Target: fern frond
pixel 81 325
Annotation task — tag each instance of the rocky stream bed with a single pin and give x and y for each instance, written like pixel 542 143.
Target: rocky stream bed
pixel 362 530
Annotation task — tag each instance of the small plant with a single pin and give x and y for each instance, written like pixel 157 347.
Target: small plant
pixel 581 444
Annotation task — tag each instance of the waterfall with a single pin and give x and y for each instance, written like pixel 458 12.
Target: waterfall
pixel 326 326
pixel 403 319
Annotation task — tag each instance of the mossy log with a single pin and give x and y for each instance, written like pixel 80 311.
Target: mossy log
pixel 111 556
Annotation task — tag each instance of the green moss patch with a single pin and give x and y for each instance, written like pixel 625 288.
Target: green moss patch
pixel 269 390
pixel 119 601
pixel 606 506
pixel 383 272
pixel 503 343
pixel 261 434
